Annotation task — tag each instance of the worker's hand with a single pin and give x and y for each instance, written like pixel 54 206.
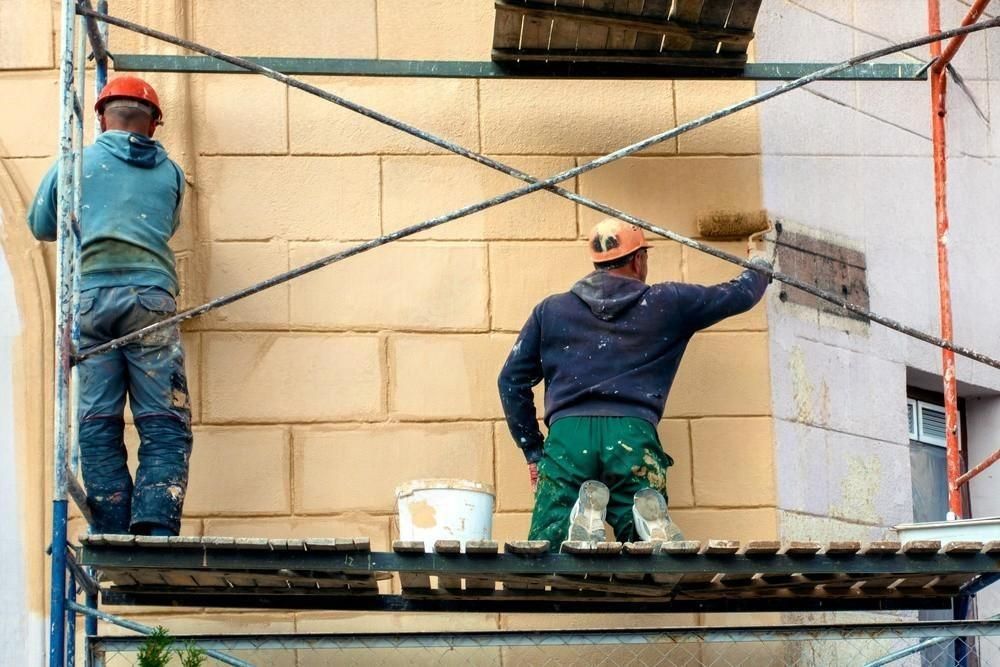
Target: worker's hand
pixel 533 474
pixel 760 258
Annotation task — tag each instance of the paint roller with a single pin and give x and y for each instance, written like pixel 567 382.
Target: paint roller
pixel 726 224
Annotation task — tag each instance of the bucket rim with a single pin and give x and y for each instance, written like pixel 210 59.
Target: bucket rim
pixel 442 483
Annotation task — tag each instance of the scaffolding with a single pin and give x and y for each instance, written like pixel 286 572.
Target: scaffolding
pixel 961 569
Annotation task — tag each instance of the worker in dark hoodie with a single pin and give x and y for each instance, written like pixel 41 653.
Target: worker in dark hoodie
pixel 131 202
pixel 608 351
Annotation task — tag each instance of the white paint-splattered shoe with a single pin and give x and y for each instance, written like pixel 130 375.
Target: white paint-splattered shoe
pixel 652 522
pixel 586 519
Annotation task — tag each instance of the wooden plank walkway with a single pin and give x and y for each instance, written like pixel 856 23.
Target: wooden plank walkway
pixel 665 576
pixel 686 33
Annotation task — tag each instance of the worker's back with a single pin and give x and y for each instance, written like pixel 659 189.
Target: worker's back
pixel 130 205
pixel 612 345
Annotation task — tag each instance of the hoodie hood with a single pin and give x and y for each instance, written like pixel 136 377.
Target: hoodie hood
pixel 134 149
pixel 608 295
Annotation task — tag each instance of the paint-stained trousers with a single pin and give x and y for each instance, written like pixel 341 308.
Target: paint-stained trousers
pixel 623 452
pixel 151 373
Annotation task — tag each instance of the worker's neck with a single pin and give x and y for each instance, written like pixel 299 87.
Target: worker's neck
pixel 625 272
pixel 134 128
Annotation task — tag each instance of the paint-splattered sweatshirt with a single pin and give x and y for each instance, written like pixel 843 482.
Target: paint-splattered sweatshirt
pixel 130 207
pixel 611 346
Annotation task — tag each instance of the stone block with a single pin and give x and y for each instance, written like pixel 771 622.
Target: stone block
pixel 839 389
pixel 511 526
pixel 329 28
pixel 738 134
pixel 415 189
pixel 727 524
pixel 566 117
pixel 445 107
pixel 295 198
pixel 359 468
pixel 722 374
pixel 827 22
pixel 25 35
pixel 436 30
pixel 513 483
pixel 899 108
pixel 704 269
pixel 671 192
pixel 30 127
pixel 233 266
pixel 733 462
pixel 414 286
pixel 522 274
pixel 806 527
pixel 351 524
pixel 165 16
pixel 843 476
pixel 227 124
pixel 286 377
pixel 812 124
pixel 676 440
pixel 446 376
pixel 239 471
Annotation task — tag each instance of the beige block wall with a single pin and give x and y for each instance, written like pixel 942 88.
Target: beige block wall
pixel 315 399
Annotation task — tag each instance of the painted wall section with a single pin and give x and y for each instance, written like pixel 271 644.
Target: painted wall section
pixel 313 400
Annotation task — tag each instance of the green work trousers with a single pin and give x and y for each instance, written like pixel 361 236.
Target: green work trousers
pixel 623 452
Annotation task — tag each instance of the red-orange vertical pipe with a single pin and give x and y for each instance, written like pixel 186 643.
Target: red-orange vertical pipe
pixel 939 110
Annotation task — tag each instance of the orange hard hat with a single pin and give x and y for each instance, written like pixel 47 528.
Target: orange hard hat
pixel 612 239
pixel 129 87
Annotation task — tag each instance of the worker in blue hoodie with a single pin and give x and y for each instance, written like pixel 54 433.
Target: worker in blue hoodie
pixel 131 202
pixel 608 351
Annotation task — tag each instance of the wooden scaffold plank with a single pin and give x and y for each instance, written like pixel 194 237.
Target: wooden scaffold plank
pixel 650 41
pixel 713 15
pixel 742 16
pixel 592 36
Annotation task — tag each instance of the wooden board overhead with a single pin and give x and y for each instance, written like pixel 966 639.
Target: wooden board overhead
pixel 707 34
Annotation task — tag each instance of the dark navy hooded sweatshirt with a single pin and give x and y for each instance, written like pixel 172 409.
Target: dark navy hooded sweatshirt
pixel 611 347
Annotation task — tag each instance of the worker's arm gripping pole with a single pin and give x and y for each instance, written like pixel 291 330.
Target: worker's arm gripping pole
pixel 549 184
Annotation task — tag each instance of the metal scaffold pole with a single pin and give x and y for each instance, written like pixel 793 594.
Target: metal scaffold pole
pixel 65 252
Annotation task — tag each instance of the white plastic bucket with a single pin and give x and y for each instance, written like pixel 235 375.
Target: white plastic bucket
pixel 444 509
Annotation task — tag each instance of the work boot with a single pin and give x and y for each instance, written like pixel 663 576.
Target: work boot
pixel 649 512
pixel 586 519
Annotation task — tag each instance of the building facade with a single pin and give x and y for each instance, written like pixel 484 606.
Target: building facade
pixel 314 400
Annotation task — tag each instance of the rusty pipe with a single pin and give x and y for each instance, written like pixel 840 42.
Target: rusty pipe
pixel 956 42
pixel 986 463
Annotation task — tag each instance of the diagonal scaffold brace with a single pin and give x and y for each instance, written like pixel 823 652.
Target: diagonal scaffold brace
pixel 550 184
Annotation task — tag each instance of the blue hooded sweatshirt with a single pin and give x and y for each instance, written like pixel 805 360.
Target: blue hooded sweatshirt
pixel 611 347
pixel 130 207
